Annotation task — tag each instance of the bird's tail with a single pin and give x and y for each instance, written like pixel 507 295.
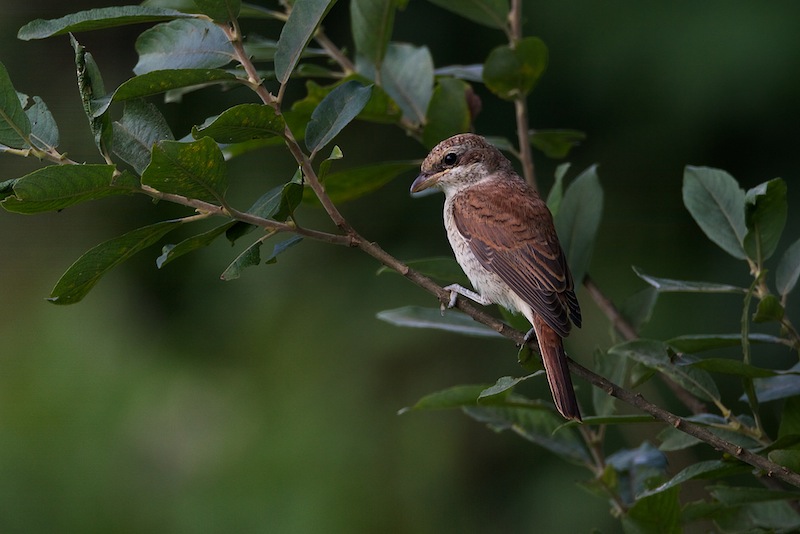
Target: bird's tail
pixel 555 366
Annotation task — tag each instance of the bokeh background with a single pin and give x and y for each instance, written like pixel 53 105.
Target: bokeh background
pixel 170 401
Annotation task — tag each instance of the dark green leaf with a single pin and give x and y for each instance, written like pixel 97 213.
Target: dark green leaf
pixel 449 321
pixel 660 512
pixel 7 188
pixel 673 439
pixel 638 308
pixel 709 469
pixel 59 186
pixel 296 33
pixel 141 127
pixel 788 269
pixel 82 275
pixel 220 10
pixel 578 219
pixel 617 419
pixel 278 203
pixel 756 517
pixel 454 397
pixel 263 49
pixel 371 22
pixel 732 367
pixel 666 285
pixel 350 184
pixel 556 193
pixel 250 257
pixel 335 112
pixel 787 458
pixel 790 423
pixel 653 354
pixel 173 252
pixel 513 72
pixel 243 123
pixel 535 423
pixel 556 144
pixel 614 367
pixel 491 13
pixel 95 19
pixel 699 343
pixel 282 247
pixel 769 309
pixel 15 126
pixel 448 112
pixel 444 269
pixel 502 387
pixel 183 44
pixel 407 77
pixel 44 131
pixel 380 107
pixel 91 87
pixel 731 495
pixel 194 170
pixel 765 217
pixel 716 202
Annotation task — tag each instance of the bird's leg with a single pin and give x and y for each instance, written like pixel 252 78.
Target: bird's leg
pixel 456 290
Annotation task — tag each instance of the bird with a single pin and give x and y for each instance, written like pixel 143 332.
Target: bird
pixel 503 237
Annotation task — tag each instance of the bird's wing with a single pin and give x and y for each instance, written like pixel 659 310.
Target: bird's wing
pixel 511 233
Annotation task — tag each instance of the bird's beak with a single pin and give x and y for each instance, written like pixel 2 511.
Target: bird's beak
pixel 423 182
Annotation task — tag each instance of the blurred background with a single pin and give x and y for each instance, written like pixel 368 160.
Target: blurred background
pixel 170 401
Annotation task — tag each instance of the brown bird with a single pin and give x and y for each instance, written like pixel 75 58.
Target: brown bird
pixel 503 237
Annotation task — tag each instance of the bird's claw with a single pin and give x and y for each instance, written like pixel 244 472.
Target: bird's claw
pixel 450 303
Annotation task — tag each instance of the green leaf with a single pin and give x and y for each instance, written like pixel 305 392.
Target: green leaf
pixel 278 203
pixel 614 367
pixel 732 495
pixel 220 10
pixel 790 423
pixel 371 22
pixel 243 123
pixel 282 247
pixel 173 252
pixel 95 19
pixel 778 387
pixel 454 397
pixel 444 269
pixel 91 87
pixel 769 309
pixel 491 13
pixel 448 112
pixel 788 270
pixel 556 193
pixel 7 188
pixel 183 44
pixel 654 355
pixel 716 202
pixel 250 257
pixel 537 423
pixel 513 72
pixel 638 307
pixel 44 131
pixel 407 77
pixel 660 512
pixel 296 33
pixel 59 186
pixel 749 516
pixel 765 217
pixel 335 112
pixel 666 285
pixel 578 219
pixel 380 107
pixel 705 470
pixel 787 458
pixel 82 275
pixel 702 342
pixel 351 184
pixel 556 144
pixel 732 367
pixel 673 439
pixel 141 127
pixel 449 321
pixel 194 170
pixel 503 386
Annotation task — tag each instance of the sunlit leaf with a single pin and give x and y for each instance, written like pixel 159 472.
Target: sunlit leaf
pixel 243 123
pixel 513 72
pixel 84 274
pixel 491 13
pixel 448 112
pixel 141 127
pixel 194 170
pixel 716 202
pixel 95 19
pixel 296 33
pixel 451 321
pixel 59 186
pixel 335 112
pixel 183 44
pixel 666 285
pixel 578 220
pixel 788 270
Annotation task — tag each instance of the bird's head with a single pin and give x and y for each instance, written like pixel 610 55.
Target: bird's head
pixel 458 162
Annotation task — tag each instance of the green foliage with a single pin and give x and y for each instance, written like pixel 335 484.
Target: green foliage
pixel 193 45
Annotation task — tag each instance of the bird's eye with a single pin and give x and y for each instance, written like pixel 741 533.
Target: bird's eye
pixel 450 158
